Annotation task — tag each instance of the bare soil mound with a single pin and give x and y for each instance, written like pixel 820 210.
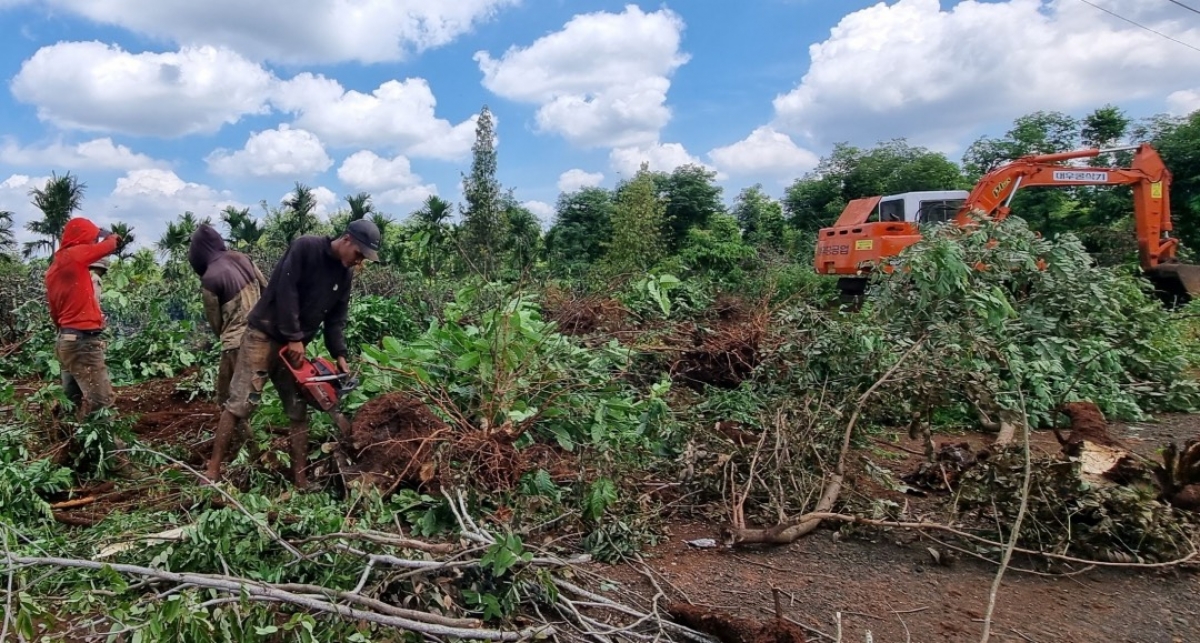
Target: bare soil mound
pixel 395 437
pixel 579 316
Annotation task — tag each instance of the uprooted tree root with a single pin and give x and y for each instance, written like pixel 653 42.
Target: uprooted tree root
pixel 578 316
pixel 396 439
pixel 725 351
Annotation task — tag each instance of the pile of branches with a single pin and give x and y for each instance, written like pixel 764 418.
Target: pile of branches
pixel 541 595
pixel 1119 522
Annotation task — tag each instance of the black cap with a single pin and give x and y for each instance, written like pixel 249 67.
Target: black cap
pixel 366 236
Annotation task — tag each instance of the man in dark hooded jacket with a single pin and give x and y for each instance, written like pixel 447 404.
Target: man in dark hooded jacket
pixel 309 291
pixel 76 314
pixel 230 285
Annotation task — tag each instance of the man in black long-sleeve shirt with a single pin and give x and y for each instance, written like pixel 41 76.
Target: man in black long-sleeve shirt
pixel 309 288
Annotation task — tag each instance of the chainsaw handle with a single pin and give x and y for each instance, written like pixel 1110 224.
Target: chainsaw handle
pixel 283 355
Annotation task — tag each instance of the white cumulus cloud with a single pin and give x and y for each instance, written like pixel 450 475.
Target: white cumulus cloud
pixel 1184 102
pixel 298 31
pixel 398 115
pixel 601 80
pixel 148 199
pixel 660 157
pixel 390 181
pixel 14 197
pixel 281 152
pixel 542 210
pixel 99 87
pixel 910 68
pixel 765 152
pixel 327 201
pixel 96 154
pixel 575 179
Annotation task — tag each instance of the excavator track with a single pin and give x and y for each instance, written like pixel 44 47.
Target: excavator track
pixel 1175 283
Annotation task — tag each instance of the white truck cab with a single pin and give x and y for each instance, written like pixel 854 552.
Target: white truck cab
pixel 930 206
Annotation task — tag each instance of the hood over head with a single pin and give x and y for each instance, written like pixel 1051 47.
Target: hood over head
pixel 79 231
pixel 206 245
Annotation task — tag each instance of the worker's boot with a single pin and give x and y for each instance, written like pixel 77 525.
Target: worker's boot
pixel 224 434
pixel 299 440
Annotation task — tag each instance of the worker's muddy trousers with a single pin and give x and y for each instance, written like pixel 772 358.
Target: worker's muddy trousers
pixel 257 361
pixel 84 374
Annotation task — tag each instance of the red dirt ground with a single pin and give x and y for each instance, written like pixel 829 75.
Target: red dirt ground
pixel 892 586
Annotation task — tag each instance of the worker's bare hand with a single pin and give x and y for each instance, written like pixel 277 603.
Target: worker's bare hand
pixel 295 352
pixel 342 366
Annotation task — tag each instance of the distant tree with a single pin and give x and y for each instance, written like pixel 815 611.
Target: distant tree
pixel 759 216
pixel 691 197
pixel 815 200
pixel 360 205
pixel 244 230
pixel 582 227
pixel 638 222
pixel 1037 133
pixel 483 221
pixel 523 235
pixel 58 200
pixel 1105 127
pixel 381 221
pixel 8 241
pixel 125 231
pixel 175 240
pixel 431 236
pixel 717 250
pixel 435 211
pixel 297 218
pixel 1102 207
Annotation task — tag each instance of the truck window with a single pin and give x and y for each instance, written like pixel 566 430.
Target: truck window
pixel 939 210
pixel 891 210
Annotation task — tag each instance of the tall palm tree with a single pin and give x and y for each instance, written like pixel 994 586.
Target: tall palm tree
pixel 360 205
pixel 58 200
pixel 125 231
pixel 174 242
pixel 298 218
pixel 434 212
pixel 8 242
pixel 244 230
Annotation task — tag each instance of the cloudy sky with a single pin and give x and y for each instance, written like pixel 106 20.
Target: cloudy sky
pixel 176 105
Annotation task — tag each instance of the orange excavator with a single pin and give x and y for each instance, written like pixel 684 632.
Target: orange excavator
pixel 872 229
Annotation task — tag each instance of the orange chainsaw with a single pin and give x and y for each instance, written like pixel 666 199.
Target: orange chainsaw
pixel 322 386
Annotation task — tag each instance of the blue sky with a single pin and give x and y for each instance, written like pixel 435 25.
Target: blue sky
pixel 176 105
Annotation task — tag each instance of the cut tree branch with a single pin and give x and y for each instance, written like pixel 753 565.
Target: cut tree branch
pixel 789 532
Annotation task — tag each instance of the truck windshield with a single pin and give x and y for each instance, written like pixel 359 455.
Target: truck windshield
pixel 939 210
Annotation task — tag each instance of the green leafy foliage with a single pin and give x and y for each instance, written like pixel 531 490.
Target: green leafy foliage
pixel 507 367
pixel 25 482
pixel 996 323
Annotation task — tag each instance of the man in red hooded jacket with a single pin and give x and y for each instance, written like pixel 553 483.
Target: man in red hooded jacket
pixel 76 315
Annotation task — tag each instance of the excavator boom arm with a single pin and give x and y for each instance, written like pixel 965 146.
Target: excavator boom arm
pixel 1147 175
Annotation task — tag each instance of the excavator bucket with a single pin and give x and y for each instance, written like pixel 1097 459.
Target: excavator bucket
pixel 1175 283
